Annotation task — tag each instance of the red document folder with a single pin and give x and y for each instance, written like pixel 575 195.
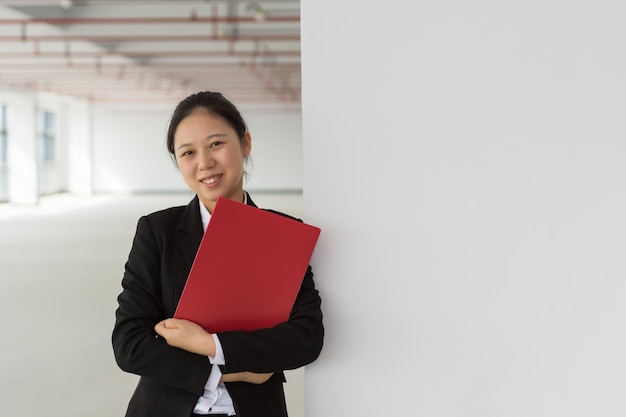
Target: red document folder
pixel 248 269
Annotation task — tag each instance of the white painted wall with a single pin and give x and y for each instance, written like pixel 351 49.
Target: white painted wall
pixel 465 161
pixel 276 150
pixel 130 154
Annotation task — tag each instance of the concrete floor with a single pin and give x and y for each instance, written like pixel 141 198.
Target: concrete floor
pixel 61 264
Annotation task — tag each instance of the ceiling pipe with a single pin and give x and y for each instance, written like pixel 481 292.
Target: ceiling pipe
pixel 150 38
pixel 143 54
pixel 147 20
pixel 190 68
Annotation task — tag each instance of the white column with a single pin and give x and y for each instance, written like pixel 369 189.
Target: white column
pixel 79 150
pixel 22 150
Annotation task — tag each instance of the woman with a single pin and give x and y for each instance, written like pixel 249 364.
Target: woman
pixel 184 370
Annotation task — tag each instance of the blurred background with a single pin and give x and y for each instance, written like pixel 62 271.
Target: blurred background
pixel 86 92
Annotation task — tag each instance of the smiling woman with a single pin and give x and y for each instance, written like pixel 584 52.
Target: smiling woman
pixel 185 370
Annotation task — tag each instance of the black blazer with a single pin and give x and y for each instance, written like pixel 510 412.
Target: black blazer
pixel 172 379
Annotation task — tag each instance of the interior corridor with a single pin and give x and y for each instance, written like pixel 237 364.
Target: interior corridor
pixel 61 267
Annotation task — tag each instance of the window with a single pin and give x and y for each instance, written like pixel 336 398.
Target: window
pixel 46 135
pixel 4 153
pixel 3 135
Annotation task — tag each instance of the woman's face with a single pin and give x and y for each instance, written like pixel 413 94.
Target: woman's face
pixel 210 157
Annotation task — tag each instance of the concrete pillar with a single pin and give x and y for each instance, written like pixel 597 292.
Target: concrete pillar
pixel 22 150
pixel 80 147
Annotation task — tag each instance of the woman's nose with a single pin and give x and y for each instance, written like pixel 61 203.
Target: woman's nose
pixel 206 161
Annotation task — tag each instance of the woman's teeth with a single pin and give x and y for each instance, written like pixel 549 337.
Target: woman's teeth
pixel 211 180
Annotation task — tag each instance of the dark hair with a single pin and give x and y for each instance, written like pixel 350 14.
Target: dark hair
pixel 211 102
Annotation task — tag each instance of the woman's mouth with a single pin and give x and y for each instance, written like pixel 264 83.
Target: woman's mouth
pixel 211 180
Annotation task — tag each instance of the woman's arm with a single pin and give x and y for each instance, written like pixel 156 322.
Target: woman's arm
pixel 187 335
pixel 249 377
pixel 136 346
pixel 289 345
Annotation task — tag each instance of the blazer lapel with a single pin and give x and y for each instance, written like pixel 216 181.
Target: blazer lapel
pixel 190 235
pixel 191 226
pixel 249 200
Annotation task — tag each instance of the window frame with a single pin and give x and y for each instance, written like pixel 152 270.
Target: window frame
pixel 46 136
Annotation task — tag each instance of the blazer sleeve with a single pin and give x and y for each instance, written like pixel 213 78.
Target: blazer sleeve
pixel 289 345
pixel 136 346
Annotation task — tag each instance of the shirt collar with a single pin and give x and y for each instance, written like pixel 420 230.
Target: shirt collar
pixel 206 216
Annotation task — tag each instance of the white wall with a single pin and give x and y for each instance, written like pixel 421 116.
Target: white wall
pixel 79 146
pixel 276 151
pixel 465 161
pixel 130 154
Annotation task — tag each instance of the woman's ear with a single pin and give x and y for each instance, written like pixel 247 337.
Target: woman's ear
pixel 246 144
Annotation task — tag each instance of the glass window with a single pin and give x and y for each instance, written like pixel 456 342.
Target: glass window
pixel 46 135
pixel 3 135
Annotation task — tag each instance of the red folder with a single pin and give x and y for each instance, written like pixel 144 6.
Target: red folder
pixel 248 269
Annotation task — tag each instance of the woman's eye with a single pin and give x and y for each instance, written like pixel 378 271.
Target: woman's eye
pixel 186 153
pixel 214 144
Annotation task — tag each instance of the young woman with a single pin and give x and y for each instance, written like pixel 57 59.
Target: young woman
pixel 184 370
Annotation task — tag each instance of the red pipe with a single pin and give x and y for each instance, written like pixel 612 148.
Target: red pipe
pixel 155 38
pixel 189 68
pixel 143 54
pixel 148 20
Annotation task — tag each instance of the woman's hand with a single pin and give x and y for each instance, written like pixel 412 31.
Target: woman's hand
pixel 250 377
pixel 186 335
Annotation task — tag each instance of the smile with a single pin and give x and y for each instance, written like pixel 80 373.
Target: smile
pixel 211 180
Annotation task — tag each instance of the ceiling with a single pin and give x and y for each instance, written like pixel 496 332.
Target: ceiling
pixel 151 51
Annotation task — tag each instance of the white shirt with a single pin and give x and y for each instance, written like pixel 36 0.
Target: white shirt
pixel 215 399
